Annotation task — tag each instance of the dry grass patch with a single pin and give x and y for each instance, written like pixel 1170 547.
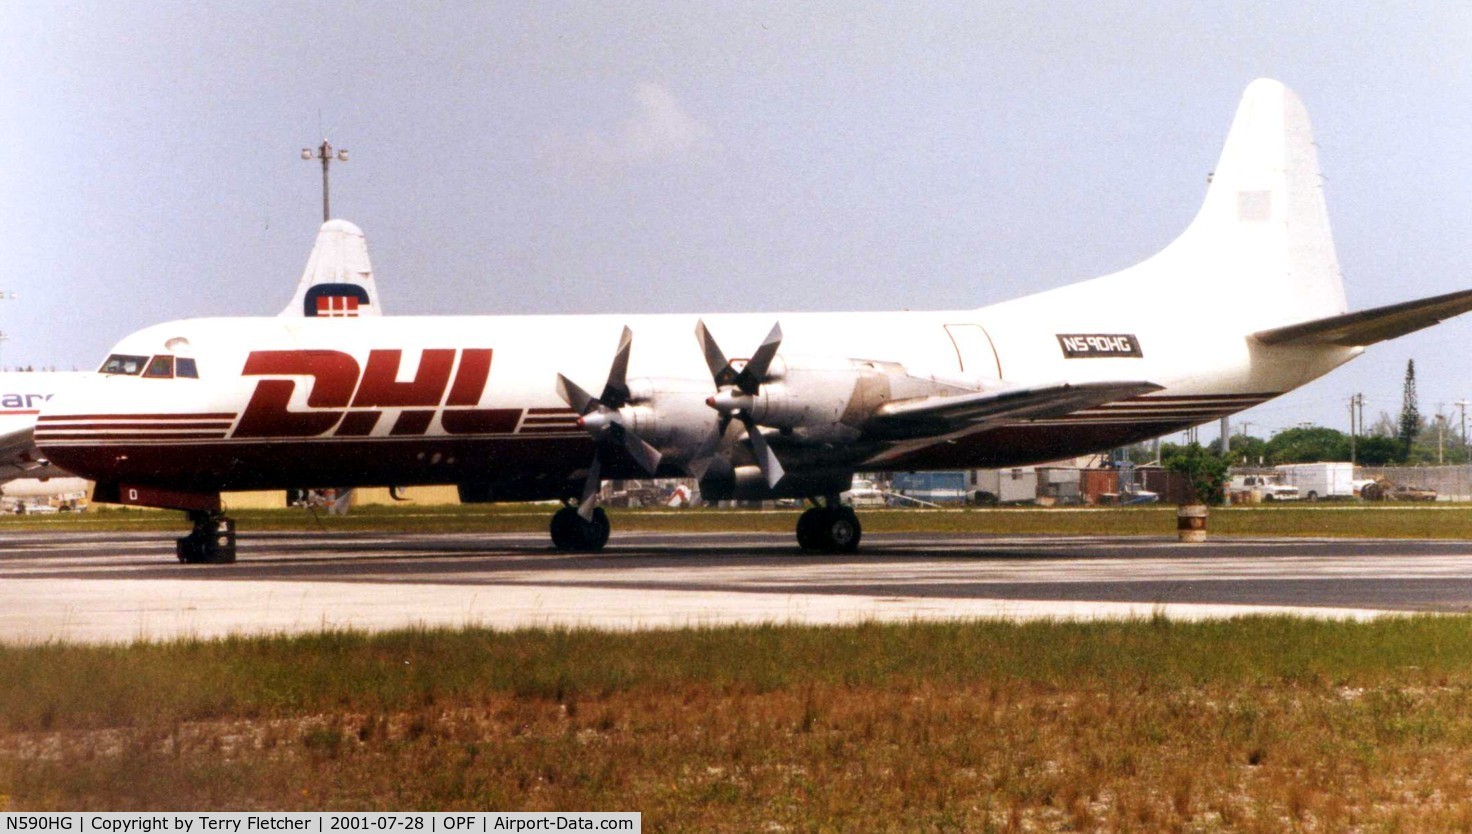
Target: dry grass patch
pixel 1250 725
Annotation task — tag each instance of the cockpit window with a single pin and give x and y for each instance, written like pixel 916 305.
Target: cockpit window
pixel 122 364
pixel 161 366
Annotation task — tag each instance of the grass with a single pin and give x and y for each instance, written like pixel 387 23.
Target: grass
pixel 1263 724
pixel 1443 521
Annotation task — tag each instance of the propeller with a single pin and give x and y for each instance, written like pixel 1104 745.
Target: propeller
pixel 736 390
pixel 601 417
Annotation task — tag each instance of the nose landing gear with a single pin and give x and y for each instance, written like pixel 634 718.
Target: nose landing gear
pixel 212 542
pixel 829 527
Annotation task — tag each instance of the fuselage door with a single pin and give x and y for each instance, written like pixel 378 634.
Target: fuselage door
pixel 974 351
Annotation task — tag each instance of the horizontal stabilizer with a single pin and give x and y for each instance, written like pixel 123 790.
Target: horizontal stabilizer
pixel 1367 327
pixel 937 415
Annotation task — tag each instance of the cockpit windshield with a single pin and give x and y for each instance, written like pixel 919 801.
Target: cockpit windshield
pixel 120 363
pixel 163 366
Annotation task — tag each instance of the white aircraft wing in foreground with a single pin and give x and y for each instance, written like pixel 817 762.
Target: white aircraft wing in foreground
pixel 521 408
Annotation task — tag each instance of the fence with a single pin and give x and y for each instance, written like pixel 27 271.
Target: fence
pixel 1452 483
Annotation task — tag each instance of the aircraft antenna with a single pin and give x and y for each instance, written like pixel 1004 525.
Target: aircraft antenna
pixel 327 154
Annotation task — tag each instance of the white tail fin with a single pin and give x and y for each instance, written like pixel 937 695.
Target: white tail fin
pixel 1260 245
pixel 338 280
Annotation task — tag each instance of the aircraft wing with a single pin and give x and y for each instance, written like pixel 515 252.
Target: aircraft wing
pixel 1367 327
pixel 19 457
pixel 936 416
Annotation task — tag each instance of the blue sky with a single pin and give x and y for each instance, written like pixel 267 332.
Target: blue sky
pixel 659 157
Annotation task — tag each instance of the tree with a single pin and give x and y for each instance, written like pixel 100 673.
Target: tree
pixel 1375 450
pixel 1384 426
pixel 1410 415
pixel 1244 450
pixel 1308 445
pixel 1206 473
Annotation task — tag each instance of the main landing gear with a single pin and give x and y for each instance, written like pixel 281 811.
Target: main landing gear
pixel 212 541
pixel 829 527
pixel 571 532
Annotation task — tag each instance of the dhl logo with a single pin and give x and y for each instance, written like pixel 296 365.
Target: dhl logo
pixel 348 400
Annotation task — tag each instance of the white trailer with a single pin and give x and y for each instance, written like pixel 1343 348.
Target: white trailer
pixel 1319 480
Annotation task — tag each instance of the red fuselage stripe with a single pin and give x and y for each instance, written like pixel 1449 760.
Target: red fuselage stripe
pixel 191 417
pixel 113 436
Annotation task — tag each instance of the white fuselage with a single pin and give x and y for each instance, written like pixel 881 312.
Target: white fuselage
pixel 470 399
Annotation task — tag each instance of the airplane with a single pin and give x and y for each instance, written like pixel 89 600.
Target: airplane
pixel 497 405
pixel 22 393
pixel 337 283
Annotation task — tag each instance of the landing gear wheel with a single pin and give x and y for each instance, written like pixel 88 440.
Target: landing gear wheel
pixel 211 542
pixel 808 533
pixel 571 533
pixel 833 529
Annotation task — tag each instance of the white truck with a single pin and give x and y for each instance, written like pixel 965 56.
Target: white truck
pixel 1259 487
pixel 1317 481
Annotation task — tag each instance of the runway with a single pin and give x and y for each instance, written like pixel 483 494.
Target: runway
pixel 118 587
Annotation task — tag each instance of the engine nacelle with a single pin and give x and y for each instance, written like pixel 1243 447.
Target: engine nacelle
pixel 747 483
pixel 819 392
pixel 670 414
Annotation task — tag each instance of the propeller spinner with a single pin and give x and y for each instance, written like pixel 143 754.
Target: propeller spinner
pixel 601 417
pixel 736 389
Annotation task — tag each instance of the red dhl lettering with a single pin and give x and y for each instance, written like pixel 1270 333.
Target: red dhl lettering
pixel 346 400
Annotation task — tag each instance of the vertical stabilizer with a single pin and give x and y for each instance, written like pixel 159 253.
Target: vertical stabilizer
pixel 338 280
pixel 1260 247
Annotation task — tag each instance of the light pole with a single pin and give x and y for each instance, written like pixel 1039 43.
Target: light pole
pixel 3 339
pixel 325 153
pixel 1462 406
pixel 1440 439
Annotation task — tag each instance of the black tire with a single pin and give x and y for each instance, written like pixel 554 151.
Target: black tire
pixel 598 530
pixel 829 530
pixel 188 550
pixel 809 530
pixel 841 530
pixel 572 534
pixel 211 542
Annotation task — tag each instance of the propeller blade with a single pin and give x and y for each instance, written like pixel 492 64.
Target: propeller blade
pixel 715 358
pixel 710 447
pixel 643 454
pixel 765 457
pixel 590 488
pixel 576 398
pixel 616 390
pixel 751 376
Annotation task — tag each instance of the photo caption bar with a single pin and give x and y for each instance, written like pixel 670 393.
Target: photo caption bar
pixel 206 822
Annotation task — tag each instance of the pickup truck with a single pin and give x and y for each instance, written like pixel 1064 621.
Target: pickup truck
pixel 1264 488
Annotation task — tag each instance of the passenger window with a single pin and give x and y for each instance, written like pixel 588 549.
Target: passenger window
pixel 122 364
pixel 161 367
pixel 184 367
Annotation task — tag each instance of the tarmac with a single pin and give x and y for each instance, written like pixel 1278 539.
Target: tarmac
pixel 123 587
